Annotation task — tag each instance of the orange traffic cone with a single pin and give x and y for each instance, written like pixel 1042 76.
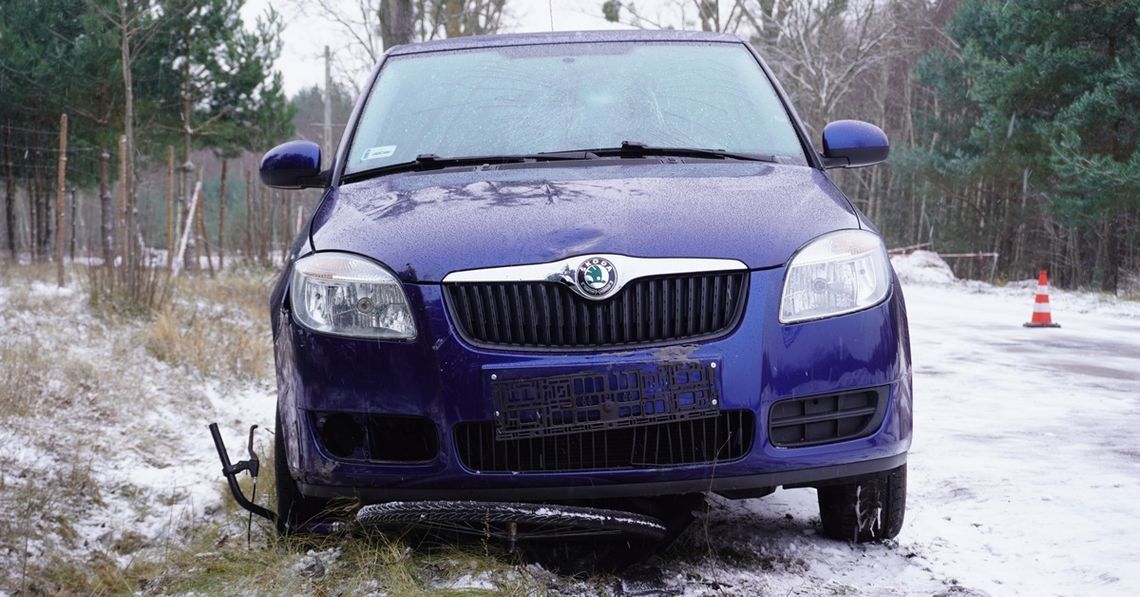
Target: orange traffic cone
pixel 1042 318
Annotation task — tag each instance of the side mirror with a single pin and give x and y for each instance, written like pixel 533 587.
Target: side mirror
pixel 854 143
pixel 293 165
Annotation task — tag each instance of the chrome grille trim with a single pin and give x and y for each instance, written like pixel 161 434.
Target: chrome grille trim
pixel 628 270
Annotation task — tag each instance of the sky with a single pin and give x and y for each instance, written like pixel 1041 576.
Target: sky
pixel 304 38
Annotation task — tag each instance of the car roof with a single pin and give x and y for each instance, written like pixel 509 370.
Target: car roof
pixel 561 37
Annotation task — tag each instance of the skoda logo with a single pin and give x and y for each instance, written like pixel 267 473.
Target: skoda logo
pixel 596 276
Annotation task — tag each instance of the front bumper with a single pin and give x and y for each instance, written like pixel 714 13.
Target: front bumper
pixel 442 378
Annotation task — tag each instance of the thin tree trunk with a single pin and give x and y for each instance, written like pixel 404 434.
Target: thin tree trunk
pixel 74 221
pixel 259 208
pixel 205 238
pixel 33 218
pixel 10 208
pixel 284 212
pixel 396 22
pixel 169 207
pixel 193 203
pixel 327 145
pixel 268 204
pixel 1111 280
pixel 453 25
pixel 190 255
pixel 248 217
pixel 128 141
pixel 123 232
pixel 47 213
pixel 222 218
pixel 107 228
pixel 60 183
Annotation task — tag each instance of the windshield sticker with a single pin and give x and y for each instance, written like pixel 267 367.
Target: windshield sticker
pixel 375 153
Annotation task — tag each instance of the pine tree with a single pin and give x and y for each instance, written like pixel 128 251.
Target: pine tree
pixel 1047 93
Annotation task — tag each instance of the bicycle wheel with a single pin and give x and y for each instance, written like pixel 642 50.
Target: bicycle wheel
pixel 512 521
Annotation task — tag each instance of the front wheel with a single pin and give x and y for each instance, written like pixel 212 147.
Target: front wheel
pixel 867 509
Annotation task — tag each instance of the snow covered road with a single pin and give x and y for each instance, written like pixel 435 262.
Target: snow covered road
pixel 1024 473
pixel 1026 458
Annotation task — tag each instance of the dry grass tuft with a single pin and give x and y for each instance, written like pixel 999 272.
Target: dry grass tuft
pixel 217 561
pixel 216 327
pixel 137 291
pixel 22 368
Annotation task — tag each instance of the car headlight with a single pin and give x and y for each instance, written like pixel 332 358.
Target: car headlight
pixel 837 273
pixel 346 295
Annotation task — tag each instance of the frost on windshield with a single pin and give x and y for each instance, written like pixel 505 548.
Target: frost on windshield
pixel 534 99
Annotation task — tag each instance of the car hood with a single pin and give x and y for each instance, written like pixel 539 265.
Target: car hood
pixel 425 225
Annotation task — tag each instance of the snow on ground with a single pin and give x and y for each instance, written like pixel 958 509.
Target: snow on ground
pixel 1026 464
pixel 1024 474
pixel 922 267
pixel 116 438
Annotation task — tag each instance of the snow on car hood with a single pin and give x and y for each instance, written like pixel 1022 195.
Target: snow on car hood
pixel 424 225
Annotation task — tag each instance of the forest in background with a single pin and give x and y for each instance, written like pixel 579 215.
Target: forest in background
pixel 1015 125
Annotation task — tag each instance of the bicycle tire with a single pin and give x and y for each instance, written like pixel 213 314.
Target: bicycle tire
pixel 533 521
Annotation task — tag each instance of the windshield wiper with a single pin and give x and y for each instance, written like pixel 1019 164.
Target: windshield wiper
pixel 628 149
pixel 430 161
pixel 634 149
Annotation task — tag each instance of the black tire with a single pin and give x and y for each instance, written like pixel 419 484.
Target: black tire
pixel 294 511
pixel 867 509
pixel 492 519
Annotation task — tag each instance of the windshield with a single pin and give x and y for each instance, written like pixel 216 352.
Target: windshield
pixel 532 99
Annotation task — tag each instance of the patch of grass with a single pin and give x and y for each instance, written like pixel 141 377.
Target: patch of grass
pixel 246 290
pixel 213 559
pixel 19 275
pixel 38 505
pixel 137 291
pixel 219 563
pixel 216 327
pixel 22 369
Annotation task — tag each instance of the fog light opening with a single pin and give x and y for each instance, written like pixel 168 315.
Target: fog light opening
pixel 343 435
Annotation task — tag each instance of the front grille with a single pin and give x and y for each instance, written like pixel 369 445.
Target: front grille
pixel 818 420
pixel 653 310
pixel 723 438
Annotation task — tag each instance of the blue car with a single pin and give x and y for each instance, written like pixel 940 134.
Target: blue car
pixel 587 269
